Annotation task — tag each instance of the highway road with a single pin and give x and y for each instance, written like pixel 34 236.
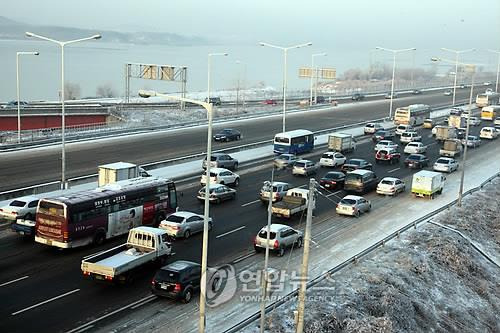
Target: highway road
pixel 49 294
pixel 37 166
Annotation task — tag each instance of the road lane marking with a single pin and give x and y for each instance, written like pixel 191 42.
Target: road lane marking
pixel 15 280
pixel 243 258
pixel 393 170
pixel 250 203
pixel 230 232
pixel 45 302
pixel 142 303
pixel 334 193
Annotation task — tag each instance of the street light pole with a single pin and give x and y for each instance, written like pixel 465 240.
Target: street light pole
pixel 498 66
pixel 285 51
pixel 18 92
pixel 63 114
pixel 457 52
pixel 313 72
pixel 393 70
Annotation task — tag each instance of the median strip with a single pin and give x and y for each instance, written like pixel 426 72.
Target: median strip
pixel 45 302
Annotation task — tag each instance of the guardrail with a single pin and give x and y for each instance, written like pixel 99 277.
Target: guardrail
pixel 354 259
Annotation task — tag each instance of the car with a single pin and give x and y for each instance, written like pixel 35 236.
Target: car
pixel 23 208
pixel 281 237
pixel 415 148
pixel 270 102
pixel 279 191
pixel 488 91
pixel 496 122
pixel 410 136
pixel 462 86
pixel 320 99
pixel 428 123
pixel 461 133
pixel 285 161
pixel 332 180
pixel 416 92
pixel 184 224
pixel 218 193
pixel 391 186
pixel 400 129
pixel 304 168
pixel 488 133
pixel 388 95
pixel 214 100
pixel 487 83
pixel 371 128
pixel 416 161
pixel 360 181
pixel 13 104
pixel 390 155
pixel 180 279
pixel 448 92
pixel 472 141
pixel 357 97
pixel 386 134
pixel 331 159
pixel 227 134
pixel 465 114
pixel 221 176
pixel 474 121
pixel 445 164
pixel 385 144
pixel 353 205
pixel 221 160
pixel 456 111
pixel 355 164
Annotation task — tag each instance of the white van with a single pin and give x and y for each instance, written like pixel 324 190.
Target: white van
pixel 488 133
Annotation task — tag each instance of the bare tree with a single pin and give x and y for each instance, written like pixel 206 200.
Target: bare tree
pixel 71 90
pixel 105 90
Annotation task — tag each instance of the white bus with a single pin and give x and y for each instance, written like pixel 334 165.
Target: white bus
pixel 414 114
pixel 483 100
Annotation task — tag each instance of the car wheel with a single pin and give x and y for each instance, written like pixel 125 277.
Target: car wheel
pixel 187 234
pixel 99 238
pixel 236 182
pixel 233 197
pixel 281 251
pixel 299 242
pixel 209 225
pixel 357 213
pixel 238 137
pixel 258 249
pixel 188 294
pixel 235 166
pixel 218 201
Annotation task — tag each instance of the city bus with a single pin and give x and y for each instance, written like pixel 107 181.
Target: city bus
pixel 490 112
pixel 483 100
pixel 92 216
pixel 414 114
pixel 294 142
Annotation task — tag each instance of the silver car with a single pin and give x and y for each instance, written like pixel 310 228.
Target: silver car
pixel 353 205
pixel 280 237
pixel 304 168
pixel 285 161
pixel 279 191
pixel 221 160
pixel 472 141
pixel 184 224
pixel 445 164
pixel 218 193
pixel 21 208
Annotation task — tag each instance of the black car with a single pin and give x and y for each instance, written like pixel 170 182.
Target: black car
pixel 332 180
pixel 180 280
pixel 357 97
pixel 320 99
pixel 214 100
pixel 227 134
pixel 383 135
pixel 355 164
pixel 416 161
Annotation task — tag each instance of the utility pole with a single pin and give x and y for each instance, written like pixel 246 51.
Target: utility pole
pixel 305 258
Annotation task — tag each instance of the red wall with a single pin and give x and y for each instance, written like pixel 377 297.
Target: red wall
pixel 35 122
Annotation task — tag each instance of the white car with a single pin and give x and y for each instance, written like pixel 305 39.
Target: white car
pixel 474 121
pixel 353 205
pixel 445 164
pixel 410 137
pixel 331 159
pixel 415 148
pixel 221 176
pixel 391 186
pixel 403 128
pixel 21 208
pixel 488 133
pixel 371 128
pixel 385 144
pixel 304 168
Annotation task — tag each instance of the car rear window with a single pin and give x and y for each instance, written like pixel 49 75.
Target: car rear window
pixel 167 275
pixel 18 203
pixel 353 178
pixel 387 182
pixel 348 202
pixel 175 218
pixel 442 161
pixel 333 176
pixel 327 155
pixel 413 157
pixel 263 234
pixel 354 162
pixel 300 164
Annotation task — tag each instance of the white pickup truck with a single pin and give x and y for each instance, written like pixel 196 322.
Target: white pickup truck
pixel 295 201
pixel 144 245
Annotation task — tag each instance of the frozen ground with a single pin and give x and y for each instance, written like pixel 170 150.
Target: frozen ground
pixel 430 280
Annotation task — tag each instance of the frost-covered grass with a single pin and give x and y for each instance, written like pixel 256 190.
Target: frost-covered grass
pixel 428 280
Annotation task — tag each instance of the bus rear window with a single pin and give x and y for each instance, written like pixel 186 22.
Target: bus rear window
pixel 51 208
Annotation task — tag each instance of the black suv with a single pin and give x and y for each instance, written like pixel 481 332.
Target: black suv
pixel 180 280
pixel 357 97
pixel 214 100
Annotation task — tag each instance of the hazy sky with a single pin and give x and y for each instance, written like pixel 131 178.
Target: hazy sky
pixel 353 23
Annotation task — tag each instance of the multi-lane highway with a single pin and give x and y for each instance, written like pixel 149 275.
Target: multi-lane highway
pixel 25 168
pixel 48 293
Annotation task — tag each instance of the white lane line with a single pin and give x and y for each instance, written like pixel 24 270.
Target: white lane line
pixel 334 193
pixel 393 170
pixel 45 302
pixel 142 303
pixel 250 203
pixel 90 323
pixel 242 258
pixel 85 329
pixel 19 279
pixel 230 232
pixel 431 144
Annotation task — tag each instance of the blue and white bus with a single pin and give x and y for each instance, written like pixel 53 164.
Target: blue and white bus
pixel 294 142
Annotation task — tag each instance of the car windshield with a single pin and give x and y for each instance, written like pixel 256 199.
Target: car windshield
pixel 175 218
pixel 263 234
pixel 18 203
pixel 348 202
pixel 387 182
pixel 354 162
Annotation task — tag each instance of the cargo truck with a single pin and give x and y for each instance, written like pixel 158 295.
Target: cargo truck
pixel 144 245
pixel 295 201
pixel 113 172
pixel 341 142
pixel 427 184
pixel 451 148
pixel 445 132
pixel 456 121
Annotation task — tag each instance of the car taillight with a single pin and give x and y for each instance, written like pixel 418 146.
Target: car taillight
pixel 392 188
pixel 109 278
pixel 153 282
pixel 353 208
pixel 65 235
pixel 276 244
pixel 177 287
pixel 175 227
pixel 86 273
pixel 255 240
pixel 14 213
pixel 277 195
pixel 1 210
